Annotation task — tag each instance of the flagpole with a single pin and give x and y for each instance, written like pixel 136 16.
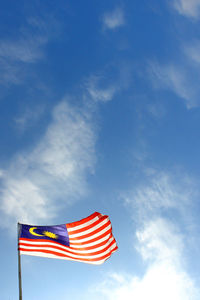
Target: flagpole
pixel 19 265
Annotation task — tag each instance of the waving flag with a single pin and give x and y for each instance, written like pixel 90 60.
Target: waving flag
pixel 89 240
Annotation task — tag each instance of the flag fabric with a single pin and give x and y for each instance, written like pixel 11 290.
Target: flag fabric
pixel 89 240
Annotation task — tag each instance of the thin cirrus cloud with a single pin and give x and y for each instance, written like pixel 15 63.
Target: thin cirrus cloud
pixel 103 88
pixel 28 118
pixel 180 79
pixel 192 51
pixel 187 8
pixel 37 183
pixel 160 240
pixel 27 48
pixel 14 53
pixel 99 92
pixel 113 19
pixel 180 75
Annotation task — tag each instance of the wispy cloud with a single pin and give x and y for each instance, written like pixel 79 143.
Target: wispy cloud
pixel 161 194
pixel 187 8
pixel 181 79
pixel 14 54
pixel 28 118
pixel 162 209
pixel 98 92
pixel 10 72
pixel 192 51
pixel 159 282
pixel 27 48
pixel 160 241
pixel 113 19
pixel 103 86
pixel 37 183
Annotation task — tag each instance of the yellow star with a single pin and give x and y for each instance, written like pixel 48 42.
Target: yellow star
pixel 50 234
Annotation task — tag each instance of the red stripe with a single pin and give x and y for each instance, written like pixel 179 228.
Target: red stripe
pixel 70 225
pixel 89 234
pixel 89 226
pixel 92 247
pixel 68 256
pixel 73 248
pixel 68 249
pixel 41 240
pixel 71 243
pixel 37 240
pixel 94 239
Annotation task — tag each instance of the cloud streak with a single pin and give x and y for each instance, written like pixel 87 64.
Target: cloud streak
pixel 160 208
pixel 113 19
pixel 192 51
pixel 180 79
pixel 102 87
pixel 27 48
pixel 187 8
pixel 37 183
pixel 159 282
pixel 99 92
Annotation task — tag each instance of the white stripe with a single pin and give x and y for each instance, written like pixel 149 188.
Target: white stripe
pixel 92 236
pixel 72 235
pixel 95 249
pixel 93 243
pixel 83 225
pixel 28 246
pixel 70 254
pixel 27 243
pixel 74 246
pixel 98 262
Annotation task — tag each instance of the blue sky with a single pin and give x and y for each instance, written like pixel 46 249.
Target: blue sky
pixel 100 111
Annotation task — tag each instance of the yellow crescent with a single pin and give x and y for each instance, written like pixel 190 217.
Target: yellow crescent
pixel 31 230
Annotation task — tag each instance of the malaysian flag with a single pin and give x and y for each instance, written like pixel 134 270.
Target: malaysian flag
pixel 89 240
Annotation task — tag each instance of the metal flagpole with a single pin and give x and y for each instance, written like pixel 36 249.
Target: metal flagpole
pixel 19 265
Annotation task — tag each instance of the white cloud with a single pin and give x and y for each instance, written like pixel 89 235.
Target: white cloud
pixel 28 118
pixel 115 77
pixel 160 209
pixel 165 278
pixel 37 183
pixel 113 19
pixel 192 50
pixel 14 53
pixel 188 8
pixel 161 281
pixel 159 241
pixel 68 145
pixel 99 93
pixel 26 48
pixel 24 200
pixel 10 72
pixel 161 193
pixel 179 79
